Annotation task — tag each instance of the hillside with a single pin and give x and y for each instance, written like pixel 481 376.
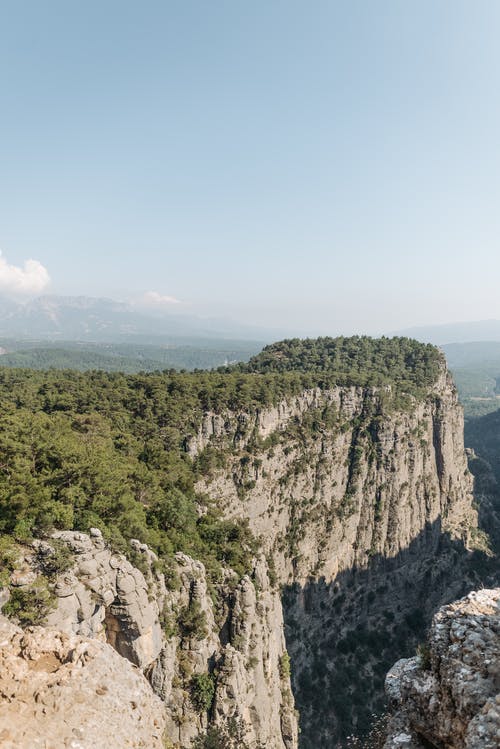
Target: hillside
pixel 129 358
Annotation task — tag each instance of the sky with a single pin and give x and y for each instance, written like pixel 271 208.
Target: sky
pixel 324 166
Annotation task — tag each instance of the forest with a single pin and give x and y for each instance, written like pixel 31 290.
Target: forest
pixel 108 450
pixel 129 358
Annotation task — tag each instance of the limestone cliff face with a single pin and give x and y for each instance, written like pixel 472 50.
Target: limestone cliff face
pixel 329 479
pixel 104 596
pixel 233 639
pixel 364 504
pixel 450 695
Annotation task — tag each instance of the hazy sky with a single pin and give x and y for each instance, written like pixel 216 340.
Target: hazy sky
pixel 330 166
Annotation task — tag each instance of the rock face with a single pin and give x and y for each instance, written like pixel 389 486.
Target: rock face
pixel 365 506
pixel 241 637
pixel 330 478
pixel 255 666
pixel 234 642
pixel 103 595
pixel 61 690
pixel 450 696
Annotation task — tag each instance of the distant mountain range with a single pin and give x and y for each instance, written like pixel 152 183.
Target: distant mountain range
pixel 53 318
pixel 81 318
pixel 460 332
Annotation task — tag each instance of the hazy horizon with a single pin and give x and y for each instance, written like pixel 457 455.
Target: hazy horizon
pixel 54 317
pixel 318 168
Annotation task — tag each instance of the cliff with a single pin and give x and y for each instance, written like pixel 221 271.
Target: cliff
pixel 365 508
pixel 356 486
pixel 333 477
pixel 449 696
pixel 212 657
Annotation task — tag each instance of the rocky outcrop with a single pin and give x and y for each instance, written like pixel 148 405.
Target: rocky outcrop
pixel 60 690
pixel 449 696
pixel 103 595
pixel 231 638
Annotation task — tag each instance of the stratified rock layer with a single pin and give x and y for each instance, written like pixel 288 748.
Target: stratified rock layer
pixel 61 691
pixel 449 697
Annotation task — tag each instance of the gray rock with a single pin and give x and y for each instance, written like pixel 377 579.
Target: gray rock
pixel 104 596
pixel 456 702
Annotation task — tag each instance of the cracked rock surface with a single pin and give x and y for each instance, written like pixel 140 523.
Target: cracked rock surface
pixel 449 697
pixel 61 691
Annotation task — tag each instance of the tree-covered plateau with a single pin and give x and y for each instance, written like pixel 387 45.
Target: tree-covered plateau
pixel 83 449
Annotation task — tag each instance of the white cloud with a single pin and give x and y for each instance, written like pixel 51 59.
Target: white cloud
pixel 32 278
pixel 153 298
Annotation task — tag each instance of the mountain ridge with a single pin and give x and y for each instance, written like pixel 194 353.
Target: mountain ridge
pixel 53 317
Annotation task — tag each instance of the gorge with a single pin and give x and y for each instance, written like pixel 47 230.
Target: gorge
pixel 266 541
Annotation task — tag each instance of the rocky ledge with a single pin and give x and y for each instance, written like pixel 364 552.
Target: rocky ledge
pixel 448 697
pixel 59 690
pixel 204 659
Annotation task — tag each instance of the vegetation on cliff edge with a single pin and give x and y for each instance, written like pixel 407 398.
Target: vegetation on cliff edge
pixel 110 450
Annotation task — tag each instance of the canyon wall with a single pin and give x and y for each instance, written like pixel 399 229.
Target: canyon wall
pixel 364 506
pixel 362 501
pixel 331 478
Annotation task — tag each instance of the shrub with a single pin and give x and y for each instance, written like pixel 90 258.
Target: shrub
pixel 57 561
pixel 9 552
pixel 30 606
pixel 284 665
pixel 229 736
pixel 202 691
pixel 424 656
pixel 193 621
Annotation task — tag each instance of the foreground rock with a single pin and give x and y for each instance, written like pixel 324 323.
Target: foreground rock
pixel 105 593
pixel 212 659
pixel 59 691
pixel 450 695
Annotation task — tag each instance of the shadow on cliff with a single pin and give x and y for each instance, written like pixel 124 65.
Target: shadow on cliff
pixel 343 636
pixel 487 496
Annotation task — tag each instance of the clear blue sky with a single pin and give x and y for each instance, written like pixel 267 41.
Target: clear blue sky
pixel 329 166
